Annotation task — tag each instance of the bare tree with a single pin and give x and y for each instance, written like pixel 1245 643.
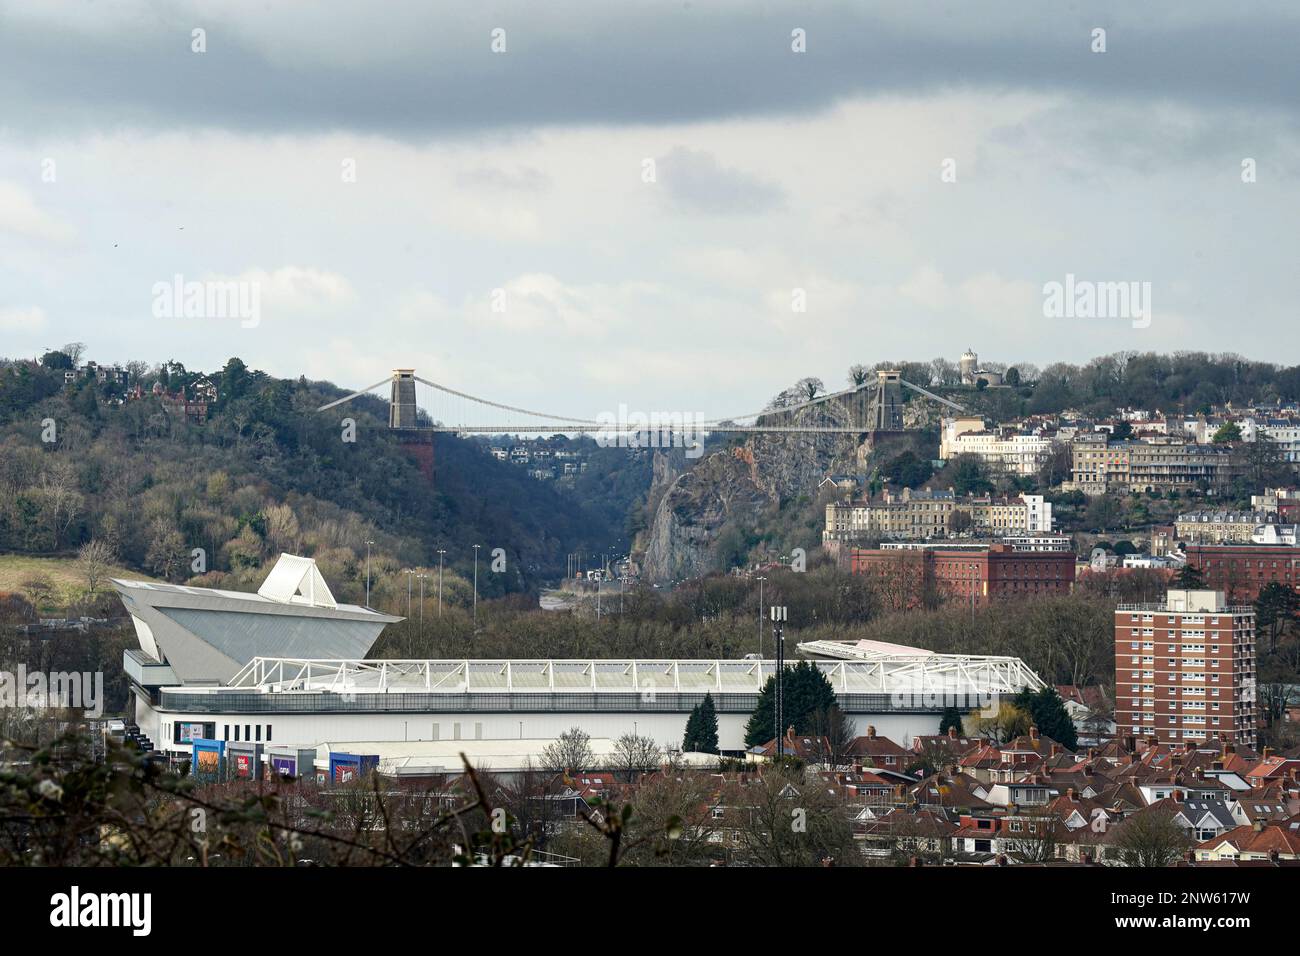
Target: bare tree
pixel 810 387
pixel 61 500
pixel 1030 838
pixel 74 351
pixel 166 553
pixel 571 751
pixel 1150 838
pixel 282 530
pixel 39 588
pixel 943 372
pixel 833 733
pixel 94 560
pixel 780 820
pixel 635 755
pixel 1057 465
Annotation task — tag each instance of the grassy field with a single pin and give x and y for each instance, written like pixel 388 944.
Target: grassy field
pixel 68 582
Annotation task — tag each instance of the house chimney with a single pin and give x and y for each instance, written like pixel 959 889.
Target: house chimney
pixel 1033 733
pixel 1130 744
pixel 789 732
pixel 1178 795
pixel 1069 794
pixel 1258 825
pixel 1268 752
pixel 952 733
pixel 871 732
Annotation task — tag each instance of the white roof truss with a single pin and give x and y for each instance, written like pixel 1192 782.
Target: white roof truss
pixel 297 580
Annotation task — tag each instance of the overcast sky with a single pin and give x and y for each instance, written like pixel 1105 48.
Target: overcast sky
pixel 126 159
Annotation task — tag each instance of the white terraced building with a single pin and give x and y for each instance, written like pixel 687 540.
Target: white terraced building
pixel 323 693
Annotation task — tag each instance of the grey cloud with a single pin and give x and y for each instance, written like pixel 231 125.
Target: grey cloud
pixel 525 180
pixel 695 181
pixel 420 71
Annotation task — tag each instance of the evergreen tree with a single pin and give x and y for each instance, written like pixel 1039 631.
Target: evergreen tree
pixel 1049 715
pixel 951 718
pixel 806 693
pixel 708 739
pixel 702 728
pixel 1189 578
pixel 690 740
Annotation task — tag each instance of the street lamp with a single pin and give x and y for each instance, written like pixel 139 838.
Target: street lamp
pixel 441 552
pixel 476 547
pixel 368 544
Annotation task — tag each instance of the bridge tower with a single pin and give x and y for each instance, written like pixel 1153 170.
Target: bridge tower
pixel 401 407
pixel 887 403
pixel 402 417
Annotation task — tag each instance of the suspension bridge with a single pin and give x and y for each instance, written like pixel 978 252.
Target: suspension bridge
pixel 866 408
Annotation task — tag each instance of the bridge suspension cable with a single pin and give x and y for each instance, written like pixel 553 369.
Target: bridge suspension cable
pixel 725 423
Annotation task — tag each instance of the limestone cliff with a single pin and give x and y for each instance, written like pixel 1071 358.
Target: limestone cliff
pixel 740 485
pixel 693 510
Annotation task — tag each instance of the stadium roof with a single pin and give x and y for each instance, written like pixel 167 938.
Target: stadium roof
pixel 887 674
pixel 206 635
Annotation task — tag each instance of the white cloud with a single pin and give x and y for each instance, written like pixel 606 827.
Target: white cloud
pixel 22 319
pixel 295 288
pixel 20 214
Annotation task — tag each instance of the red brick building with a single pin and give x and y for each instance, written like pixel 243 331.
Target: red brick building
pixel 923 574
pixel 1240 570
pixel 1185 670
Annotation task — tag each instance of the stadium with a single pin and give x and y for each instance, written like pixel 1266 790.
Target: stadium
pixel 283 672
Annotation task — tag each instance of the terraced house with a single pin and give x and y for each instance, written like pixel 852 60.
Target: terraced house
pixel 921 515
pixel 1102 465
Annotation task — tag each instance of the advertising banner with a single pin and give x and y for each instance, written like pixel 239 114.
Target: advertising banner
pixel 207 761
pixel 189 731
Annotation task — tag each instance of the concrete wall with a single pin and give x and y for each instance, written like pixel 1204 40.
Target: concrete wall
pixel 309 730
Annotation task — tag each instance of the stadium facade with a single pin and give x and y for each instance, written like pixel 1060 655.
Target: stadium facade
pixel 285 671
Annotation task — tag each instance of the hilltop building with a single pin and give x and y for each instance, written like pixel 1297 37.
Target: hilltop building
pixel 1008 450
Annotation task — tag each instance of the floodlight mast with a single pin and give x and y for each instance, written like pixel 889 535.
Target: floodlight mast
pixel 779 614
